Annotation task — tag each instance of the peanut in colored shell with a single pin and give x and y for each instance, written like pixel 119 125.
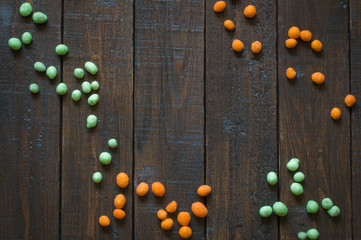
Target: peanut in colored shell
pixel 172 207
pixel 185 232
pixel 229 25
pixel 306 35
pixel 104 221
pixel 250 11
pixel 318 78
pixel 219 6
pixel 167 224
pixel 119 213
pixel 122 180
pixel 161 214
pixel 256 47
pixel 119 201
pixel 350 100
pixel 142 189
pixel 294 32
pixel 204 190
pixel 336 113
pixel 237 45
pixel 184 218
pixel 199 210
pixel 316 46
pixel 158 189
pixel 291 43
pixel 291 73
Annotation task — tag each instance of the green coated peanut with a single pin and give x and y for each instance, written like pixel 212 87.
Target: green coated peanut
pixel 313 234
pixel 302 235
pixel 61 49
pixel 26 38
pixel 112 143
pixel 97 177
pixel 34 88
pixel 92 121
pixel 327 203
pixel 76 95
pixel 296 189
pixel 91 67
pixel 334 211
pixel 272 178
pixel 95 85
pixel 293 164
pixel 39 67
pixel 40 18
pixel 51 72
pixel 312 206
pixel 78 73
pixel 14 43
pixel 265 211
pixel 299 177
pixel 25 9
pixel 93 99
pixel 105 158
pixel 61 89
pixel 280 209
pixel 86 87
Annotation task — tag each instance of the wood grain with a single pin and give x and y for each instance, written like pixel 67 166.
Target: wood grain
pixel 29 126
pixel 168 115
pixel 305 126
pixel 241 122
pixel 355 89
pixel 98 31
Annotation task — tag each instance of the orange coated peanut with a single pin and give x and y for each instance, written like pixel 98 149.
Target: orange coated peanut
pixel 250 11
pixel 199 210
pixel 172 207
pixel 119 201
pixel 122 180
pixel 229 25
pixel 204 190
pixel 161 214
pixel 185 232
pixel 350 100
pixel 104 221
pixel 219 6
pixel 184 218
pixel 158 189
pixel 306 35
pixel 336 113
pixel 237 45
pixel 142 189
pixel 119 213
pixel 316 46
pixel 318 78
pixel 167 224
pixel 294 32
pixel 291 43
pixel 291 73
pixel 256 47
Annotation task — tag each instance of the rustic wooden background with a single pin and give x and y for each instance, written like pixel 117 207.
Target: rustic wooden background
pixel 186 110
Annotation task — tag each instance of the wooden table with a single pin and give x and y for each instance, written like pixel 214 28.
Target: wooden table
pixel 186 110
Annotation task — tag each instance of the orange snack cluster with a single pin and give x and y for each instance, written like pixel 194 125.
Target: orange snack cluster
pixel 219 6
pixel 142 189
pixel 158 189
pixel 229 25
pixel 122 180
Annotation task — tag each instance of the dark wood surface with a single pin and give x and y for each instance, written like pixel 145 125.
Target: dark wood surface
pixel 186 110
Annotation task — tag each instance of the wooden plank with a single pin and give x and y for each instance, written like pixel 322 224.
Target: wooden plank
pixel 169 135
pixel 355 89
pixel 29 126
pixel 306 128
pixel 99 31
pixel 241 122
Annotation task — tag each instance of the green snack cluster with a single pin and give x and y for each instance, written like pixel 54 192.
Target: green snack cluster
pixel 78 73
pixel 105 158
pixel 26 38
pixel 112 143
pixel 93 99
pixel 86 87
pixel 312 206
pixel 51 72
pixel 76 95
pixel 293 164
pixel 95 85
pixel 39 67
pixel 39 18
pixel 25 9
pixel 14 43
pixel 97 177
pixel 313 234
pixel 296 189
pixel 299 177
pixel 280 209
pixel 302 235
pixel 265 211
pixel 327 203
pixel 61 89
pixel 91 67
pixel 61 49
pixel 334 211
pixel 91 121
pixel 34 88
pixel 272 178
